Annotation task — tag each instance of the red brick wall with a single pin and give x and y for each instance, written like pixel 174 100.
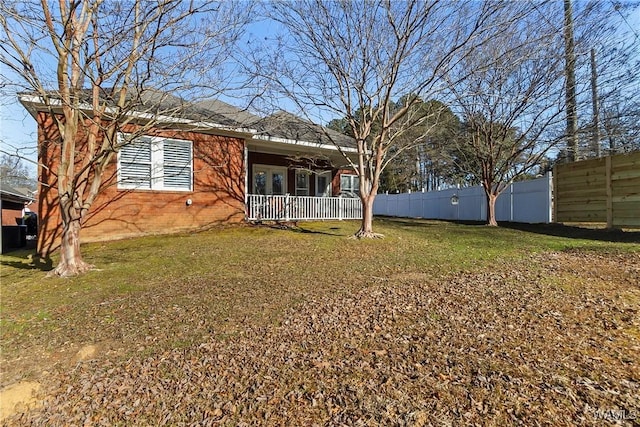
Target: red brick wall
pixel 217 196
pixel 12 213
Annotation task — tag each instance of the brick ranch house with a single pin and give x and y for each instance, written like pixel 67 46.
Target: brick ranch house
pixel 210 164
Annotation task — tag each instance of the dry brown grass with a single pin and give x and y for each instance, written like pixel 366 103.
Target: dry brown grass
pixel 437 324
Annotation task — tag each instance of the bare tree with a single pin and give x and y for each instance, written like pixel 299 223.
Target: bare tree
pixel 607 57
pixel 94 68
pixel 352 59
pixel 511 104
pixel 14 172
pixel 424 161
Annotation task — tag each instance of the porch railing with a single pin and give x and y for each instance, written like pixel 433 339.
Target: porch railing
pixel 299 208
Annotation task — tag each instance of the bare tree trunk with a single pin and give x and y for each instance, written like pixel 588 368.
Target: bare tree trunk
pixel 595 136
pixel 612 145
pixel 491 209
pixel 366 226
pixel 570 84
pixel 71 263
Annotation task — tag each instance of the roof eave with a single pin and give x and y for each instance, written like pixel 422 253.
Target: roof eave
pixel 34 104
pixel 14 197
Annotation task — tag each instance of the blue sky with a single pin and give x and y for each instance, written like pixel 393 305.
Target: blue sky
pixel 18 130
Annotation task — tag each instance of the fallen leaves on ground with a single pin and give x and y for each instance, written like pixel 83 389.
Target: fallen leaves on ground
pixel 551 340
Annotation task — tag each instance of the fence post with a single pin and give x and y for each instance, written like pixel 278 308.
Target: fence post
pixel 511 202
pixel 340 208
pixel 607 168
pixel 554 195
pixel 286 207
pixel 549 183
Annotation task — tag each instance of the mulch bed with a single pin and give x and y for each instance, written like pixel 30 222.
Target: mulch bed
pixel 553 340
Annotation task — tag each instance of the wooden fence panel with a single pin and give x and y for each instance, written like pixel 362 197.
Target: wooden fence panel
pixel 599 190
pixel 625 190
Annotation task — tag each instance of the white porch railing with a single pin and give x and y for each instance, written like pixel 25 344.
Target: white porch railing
pixel 299 208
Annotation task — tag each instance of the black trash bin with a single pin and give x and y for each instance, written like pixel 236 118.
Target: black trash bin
pixel 31 221
pixel 22 236
pixel 13 237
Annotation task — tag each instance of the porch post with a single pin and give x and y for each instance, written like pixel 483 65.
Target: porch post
pixel 286 207
pixel 1 225
pixel 246 176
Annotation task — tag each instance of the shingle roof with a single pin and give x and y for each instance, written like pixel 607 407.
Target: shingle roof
pixel 242 117
pixel 10 193
pixel 164 103
pixel 285 125
pixel 279 125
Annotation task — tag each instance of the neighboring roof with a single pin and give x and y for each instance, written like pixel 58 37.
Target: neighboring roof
pixel 12 195
pixel 26 191
pixel 282 127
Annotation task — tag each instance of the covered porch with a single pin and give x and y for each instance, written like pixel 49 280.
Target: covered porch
pixel 289 180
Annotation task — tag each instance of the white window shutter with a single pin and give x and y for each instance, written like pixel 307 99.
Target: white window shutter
pixel 155 163
pixel 135 164
pixel 177 164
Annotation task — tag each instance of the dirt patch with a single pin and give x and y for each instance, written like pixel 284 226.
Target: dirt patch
pixel 87 352
pixel 18 398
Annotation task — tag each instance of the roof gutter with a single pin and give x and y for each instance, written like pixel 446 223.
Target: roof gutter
pixel 15 197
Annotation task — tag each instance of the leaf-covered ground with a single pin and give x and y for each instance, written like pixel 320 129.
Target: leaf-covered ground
pixel 545 336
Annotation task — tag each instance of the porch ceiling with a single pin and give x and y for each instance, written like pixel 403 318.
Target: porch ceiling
pixel 300 148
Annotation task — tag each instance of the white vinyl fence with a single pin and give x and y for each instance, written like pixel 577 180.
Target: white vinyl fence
pixel 526 201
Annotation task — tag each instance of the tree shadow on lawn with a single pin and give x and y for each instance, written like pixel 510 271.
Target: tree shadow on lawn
pixel 422 222
pixel 575 232
pixel 26 260
pixel 557 230
pixel 296 227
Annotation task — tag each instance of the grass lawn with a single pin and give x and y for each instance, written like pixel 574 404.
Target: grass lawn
pixel 437 324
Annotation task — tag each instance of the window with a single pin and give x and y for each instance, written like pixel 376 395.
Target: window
pixel 269 179
pixel 349 185
pixel 302 183
pixel 260 182
pixel 154 163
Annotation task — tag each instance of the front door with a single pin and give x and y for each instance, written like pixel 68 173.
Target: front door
pixel 269 180
pixel 323 184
